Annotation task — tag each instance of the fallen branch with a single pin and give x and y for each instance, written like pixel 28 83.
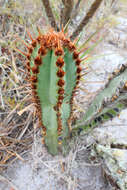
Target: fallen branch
pixel 86 19
pixel 49 14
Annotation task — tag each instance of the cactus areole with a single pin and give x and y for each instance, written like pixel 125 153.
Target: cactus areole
pixel 54 70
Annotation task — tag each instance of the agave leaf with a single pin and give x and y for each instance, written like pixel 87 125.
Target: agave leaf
pixel 103 102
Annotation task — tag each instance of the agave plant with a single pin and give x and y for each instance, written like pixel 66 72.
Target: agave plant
pixel 108 102
pixel 54 70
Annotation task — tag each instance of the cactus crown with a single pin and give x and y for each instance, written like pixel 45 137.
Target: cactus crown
pixel 54 70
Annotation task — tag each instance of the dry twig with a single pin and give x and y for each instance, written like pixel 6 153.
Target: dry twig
pixel 76 9
pixel 49 14
pixel 66 12
pixel 8 181
pixel 86 19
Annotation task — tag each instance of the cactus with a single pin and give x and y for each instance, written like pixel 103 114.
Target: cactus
pixel 54 69
pixel 108 103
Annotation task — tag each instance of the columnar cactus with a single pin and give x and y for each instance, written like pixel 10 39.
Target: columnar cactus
pixel 54 70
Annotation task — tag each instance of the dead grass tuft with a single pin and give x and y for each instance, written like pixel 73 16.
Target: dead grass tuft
pixel 16 132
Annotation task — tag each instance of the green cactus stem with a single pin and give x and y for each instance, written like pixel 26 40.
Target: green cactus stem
pixel 53 66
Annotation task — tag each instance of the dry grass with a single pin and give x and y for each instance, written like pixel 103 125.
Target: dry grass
pixel 16 132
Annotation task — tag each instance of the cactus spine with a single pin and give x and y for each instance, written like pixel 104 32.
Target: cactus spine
pixel 53 67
